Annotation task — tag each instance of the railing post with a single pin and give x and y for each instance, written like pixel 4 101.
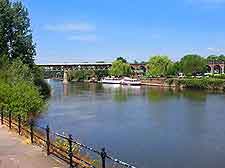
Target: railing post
pixel 48 139
pixel 31 131
pixel 103 156
pixel 2 117
pixel 19 124
pixel 10 120
pixel 70 140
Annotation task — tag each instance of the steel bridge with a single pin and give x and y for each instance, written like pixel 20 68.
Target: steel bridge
pixel 57 70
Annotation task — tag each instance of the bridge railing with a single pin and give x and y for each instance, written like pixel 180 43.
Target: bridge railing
pixel 62 146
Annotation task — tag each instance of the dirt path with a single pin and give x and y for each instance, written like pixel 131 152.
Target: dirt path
pixel 15 153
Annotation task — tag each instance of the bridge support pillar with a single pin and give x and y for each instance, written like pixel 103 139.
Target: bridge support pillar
pixel 65 77
pixel 222 69
pixel 212 69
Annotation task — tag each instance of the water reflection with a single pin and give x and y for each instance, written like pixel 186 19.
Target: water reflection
pixel 123 93
pixel 200 96
pixel 155 127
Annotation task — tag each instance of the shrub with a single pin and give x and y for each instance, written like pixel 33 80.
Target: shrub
pixel 204 83
pixel 44 88
pixel 23 99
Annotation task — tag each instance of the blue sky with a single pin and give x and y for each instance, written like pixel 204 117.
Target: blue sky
pixel 94 30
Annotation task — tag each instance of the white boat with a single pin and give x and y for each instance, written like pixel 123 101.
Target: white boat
pixel 111 80
pixel 130 81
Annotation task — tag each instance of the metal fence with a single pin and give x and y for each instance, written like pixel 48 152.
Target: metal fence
pixel 46 138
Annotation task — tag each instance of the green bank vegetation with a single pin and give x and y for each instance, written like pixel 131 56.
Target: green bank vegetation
pixel 82 75
pixel 192 66
pixel 198 83
pixel 22 86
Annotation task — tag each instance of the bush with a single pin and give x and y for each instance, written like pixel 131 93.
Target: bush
pixel 44 88
pixel 18 92
pixel 23 99
pixel 204 83
pixel 218 76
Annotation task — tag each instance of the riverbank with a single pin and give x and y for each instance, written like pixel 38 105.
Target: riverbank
pixel 207 83
pixel 15 152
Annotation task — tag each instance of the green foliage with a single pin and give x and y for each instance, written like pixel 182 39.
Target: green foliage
pixel 5 92
pixel 43 88
pixel 218 76
pixel 80 75
pixel 121 59
pixel 202 83
pixel 193 64
pixel 216 58
pixel 21 98
pixel 15 32
pixel 18 92
pixel 19 72
pixel 25 99
pixel 101 74
pixel 119 68
pixel 18 75
pixel 174 69
pixel 38 79
pixel 159 66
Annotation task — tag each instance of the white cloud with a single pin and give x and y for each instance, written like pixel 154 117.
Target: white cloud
pixel 211 49
pixel 70 27
pixel 84 38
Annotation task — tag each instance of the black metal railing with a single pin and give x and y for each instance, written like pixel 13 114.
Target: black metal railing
pixel 44 136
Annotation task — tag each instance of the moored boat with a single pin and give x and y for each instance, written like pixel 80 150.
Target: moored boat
pixel 112 80
pixel 130 81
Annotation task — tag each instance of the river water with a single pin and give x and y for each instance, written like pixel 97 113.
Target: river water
pixel 148 127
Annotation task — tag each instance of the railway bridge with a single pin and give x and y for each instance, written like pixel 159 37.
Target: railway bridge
pixel 216 67
pixel 59 70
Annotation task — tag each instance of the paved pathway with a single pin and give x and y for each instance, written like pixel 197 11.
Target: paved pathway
pixel 15 153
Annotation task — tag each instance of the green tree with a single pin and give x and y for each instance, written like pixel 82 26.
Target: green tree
pixel 216 58
pixel 174 68
pixel 18 92
pixel 159 65
pixel 212 58
pixel 119 68
pixel 15 32
pixel 25 99
pixel 121 59
pixel 221 58
pixel 193 64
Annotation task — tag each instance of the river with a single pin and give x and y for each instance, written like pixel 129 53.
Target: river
pixel 147 127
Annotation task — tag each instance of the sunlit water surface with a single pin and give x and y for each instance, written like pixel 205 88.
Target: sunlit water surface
pixel 148 127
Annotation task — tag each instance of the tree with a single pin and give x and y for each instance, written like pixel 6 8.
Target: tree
pixel 193 64
pixel 221 58
pixel 121 59
pixel 15 32
pixel 159 65
pixel 135 62
pixel 174 68
pixel 216 58
pixel 212 58
pixel 119 68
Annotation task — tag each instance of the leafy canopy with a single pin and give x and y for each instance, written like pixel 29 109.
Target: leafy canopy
pixel 15 32
pixel 193 64
pixel 120 68
pixel 121 59
pixel 159 65
pixel 216 58
pixel 18 92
